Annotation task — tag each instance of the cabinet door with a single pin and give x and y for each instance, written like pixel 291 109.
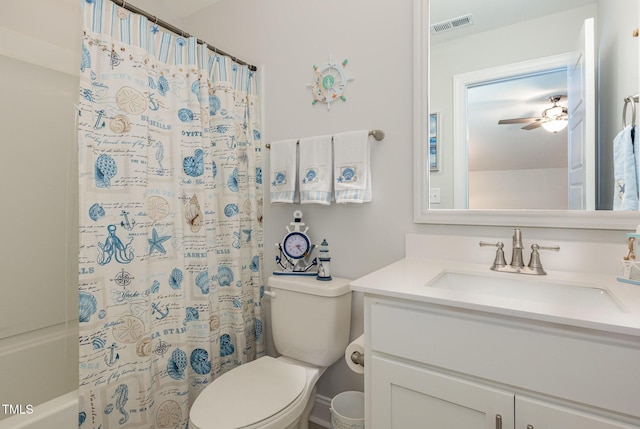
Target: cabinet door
pixel 533 414
pixel 405 396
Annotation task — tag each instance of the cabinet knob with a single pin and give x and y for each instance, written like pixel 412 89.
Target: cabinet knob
pixel 529 426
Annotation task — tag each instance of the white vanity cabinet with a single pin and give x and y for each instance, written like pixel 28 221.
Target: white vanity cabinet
pixel 408 396
pixel 533 414
pixel 437 366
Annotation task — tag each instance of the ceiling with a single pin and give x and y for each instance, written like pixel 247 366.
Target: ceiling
pixel 490 14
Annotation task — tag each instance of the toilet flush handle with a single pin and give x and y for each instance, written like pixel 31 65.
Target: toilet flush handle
pixel 270 293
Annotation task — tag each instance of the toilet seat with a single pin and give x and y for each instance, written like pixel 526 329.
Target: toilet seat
pixel 248 394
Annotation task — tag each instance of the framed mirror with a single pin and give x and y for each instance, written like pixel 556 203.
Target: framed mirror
pixel 454 124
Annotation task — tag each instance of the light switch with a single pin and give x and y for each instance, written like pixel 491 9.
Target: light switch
pixel 434 195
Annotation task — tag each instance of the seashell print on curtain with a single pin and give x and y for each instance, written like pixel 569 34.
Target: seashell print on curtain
pixel 171 241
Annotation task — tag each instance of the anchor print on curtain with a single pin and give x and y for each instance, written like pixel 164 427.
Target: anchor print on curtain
pixel 171 242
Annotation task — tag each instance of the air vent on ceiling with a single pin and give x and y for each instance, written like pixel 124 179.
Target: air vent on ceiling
pixel 451 24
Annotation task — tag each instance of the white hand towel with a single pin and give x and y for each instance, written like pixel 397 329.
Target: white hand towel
pixel 283 171
pixel 351 160
pixel 315 170
pixel 625 170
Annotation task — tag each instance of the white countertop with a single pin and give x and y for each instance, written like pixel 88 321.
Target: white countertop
pixel 408 279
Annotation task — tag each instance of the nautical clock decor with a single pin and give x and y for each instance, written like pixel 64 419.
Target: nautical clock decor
pixel 295 250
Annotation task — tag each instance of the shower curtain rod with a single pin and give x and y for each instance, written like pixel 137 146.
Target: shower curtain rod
pixel 176 30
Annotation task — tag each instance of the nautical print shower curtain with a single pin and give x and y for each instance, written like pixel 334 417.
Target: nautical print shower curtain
pixel 170 190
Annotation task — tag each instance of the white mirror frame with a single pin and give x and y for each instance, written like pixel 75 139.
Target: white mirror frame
pixel 598 219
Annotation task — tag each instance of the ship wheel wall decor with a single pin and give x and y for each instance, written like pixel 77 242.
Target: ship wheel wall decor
pixel 329 81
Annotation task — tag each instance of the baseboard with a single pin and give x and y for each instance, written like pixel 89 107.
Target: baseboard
pixel 321 413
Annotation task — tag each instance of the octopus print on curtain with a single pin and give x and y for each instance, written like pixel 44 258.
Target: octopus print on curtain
pixel 170 220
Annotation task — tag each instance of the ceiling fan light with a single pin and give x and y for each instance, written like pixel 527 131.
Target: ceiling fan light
pixel 555 126
pixel 553 112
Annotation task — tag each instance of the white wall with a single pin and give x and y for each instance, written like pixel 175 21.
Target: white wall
pixel 511 44
pixel 527 189
pixel 38 223
pixel 285 38
pixel 163 9
pixel 617 79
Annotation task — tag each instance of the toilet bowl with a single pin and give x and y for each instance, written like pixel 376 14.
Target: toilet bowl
pixel 310 327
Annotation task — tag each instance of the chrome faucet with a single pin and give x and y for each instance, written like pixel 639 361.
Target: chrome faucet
pixel 516 251
pixel 517 263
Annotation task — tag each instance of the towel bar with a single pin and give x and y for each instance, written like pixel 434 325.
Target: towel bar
pixel 377 134
pixel 633 99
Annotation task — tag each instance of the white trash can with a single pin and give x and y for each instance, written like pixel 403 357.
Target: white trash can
pixel 347 411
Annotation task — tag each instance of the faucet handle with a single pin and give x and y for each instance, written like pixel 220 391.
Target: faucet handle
pixel 499 261
pixel 534 262
pixel 554 248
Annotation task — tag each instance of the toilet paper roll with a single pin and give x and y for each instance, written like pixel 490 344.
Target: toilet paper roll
pixel 356 345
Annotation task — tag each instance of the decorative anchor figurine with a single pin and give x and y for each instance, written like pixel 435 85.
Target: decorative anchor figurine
pixel 295 250
pixel 324 267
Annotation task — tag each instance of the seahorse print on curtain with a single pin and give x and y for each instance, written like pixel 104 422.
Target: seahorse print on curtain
pixel 171 240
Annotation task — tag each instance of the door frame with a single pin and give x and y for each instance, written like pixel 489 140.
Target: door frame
pixel 461 82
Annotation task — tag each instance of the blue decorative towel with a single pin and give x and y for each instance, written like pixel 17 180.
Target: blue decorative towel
pixel 625 170
pixel 315 170
pixel 283 171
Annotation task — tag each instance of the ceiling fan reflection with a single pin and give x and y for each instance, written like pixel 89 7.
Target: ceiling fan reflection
pixel 553 119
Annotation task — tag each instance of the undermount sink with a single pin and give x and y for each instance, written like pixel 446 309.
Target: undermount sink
pixel 528 289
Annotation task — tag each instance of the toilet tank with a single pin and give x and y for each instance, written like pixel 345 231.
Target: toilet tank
pixel 310 319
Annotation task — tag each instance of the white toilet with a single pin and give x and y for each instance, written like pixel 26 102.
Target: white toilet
pixel 310 322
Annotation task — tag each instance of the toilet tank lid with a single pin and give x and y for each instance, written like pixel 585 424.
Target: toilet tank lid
pixel 308 284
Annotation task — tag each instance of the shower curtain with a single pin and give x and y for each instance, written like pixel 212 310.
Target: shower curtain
pixel 171 242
